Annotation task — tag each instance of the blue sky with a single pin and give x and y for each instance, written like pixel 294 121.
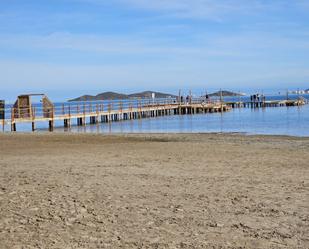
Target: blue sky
pixel 69 47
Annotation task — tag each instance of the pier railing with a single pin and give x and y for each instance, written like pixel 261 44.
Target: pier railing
pixel 93 107
pixel 105 110
pixel 79 108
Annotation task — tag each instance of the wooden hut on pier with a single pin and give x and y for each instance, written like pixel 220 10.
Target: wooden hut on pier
pixel 23 109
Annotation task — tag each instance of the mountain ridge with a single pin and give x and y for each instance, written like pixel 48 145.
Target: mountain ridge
pixel 114 95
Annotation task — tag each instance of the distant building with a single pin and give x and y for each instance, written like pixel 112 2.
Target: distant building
pixel 299 92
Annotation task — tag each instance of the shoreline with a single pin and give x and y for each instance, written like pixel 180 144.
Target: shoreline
pixel 124 134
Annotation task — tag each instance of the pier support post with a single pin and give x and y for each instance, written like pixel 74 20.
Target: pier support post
pixel 81 121
pixel 51 125
pixel 67 123
pixel 13 127
pixel 93 120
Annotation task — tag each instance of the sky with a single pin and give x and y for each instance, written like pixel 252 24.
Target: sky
pixel 66 48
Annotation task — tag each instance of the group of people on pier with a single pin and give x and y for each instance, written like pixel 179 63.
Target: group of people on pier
pixel 257 98
pixel 186 100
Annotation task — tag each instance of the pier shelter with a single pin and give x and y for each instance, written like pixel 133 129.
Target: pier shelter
pixel 24 110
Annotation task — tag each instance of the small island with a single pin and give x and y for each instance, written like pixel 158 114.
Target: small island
pixel 114 95
pixel 226 94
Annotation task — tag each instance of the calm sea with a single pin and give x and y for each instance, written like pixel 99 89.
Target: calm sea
pixel 292 121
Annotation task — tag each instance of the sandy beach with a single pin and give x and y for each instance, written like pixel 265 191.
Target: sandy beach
pixel 153 191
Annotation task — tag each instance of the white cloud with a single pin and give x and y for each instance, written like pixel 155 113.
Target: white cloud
pixel 209 9
pixel 303 4
pixel 201 9
pixel 113 45
pixel 43 77
pixel 239 45
pixel 215 10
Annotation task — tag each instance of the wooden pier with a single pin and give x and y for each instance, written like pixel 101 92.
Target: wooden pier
pixel 102 111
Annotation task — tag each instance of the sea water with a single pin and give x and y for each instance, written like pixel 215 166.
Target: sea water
pixel 293 121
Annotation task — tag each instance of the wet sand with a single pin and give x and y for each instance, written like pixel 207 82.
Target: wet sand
pixel 153 191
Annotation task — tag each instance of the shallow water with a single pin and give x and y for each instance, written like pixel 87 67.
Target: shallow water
pixel 292 121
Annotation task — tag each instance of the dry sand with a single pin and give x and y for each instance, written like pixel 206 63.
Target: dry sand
pixel 153 191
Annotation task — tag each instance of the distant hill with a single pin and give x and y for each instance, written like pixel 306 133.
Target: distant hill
pixel 148 94
pixel 114 95
pixel 225 94
pixel 101 96
pixel 110 95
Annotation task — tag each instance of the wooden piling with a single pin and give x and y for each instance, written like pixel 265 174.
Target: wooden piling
pixel 51 125
pixel 13 124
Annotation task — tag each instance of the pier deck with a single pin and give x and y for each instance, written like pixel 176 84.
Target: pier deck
pixel 269 103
